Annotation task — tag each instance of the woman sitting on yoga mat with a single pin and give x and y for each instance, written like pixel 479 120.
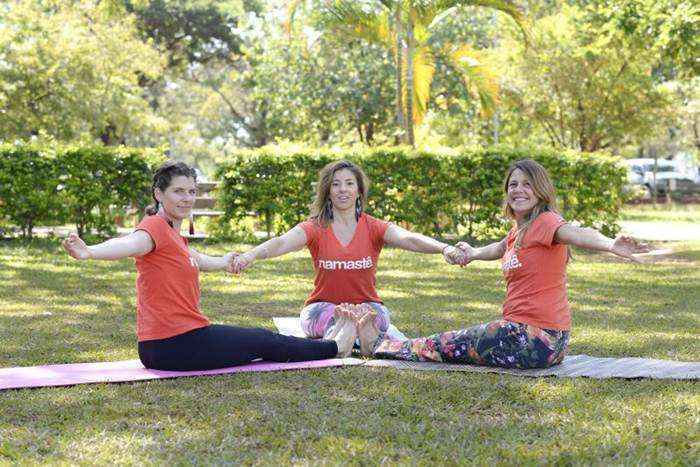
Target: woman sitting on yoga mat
pixel 344 243
pixel 534 330
pixel 172 332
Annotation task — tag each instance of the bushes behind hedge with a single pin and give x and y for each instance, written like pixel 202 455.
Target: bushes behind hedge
pixel 87 186
pixel 430 192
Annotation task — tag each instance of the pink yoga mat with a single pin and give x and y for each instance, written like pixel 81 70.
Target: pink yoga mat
pixel 133 370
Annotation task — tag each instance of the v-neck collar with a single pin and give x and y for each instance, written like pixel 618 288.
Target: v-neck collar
pixel 179 239
pixel 354 234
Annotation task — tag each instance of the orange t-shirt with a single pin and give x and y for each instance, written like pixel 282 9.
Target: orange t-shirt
pixel 536 276
pixel 167 285
pixel 345 273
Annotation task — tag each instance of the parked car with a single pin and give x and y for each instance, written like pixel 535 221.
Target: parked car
pixel 668 178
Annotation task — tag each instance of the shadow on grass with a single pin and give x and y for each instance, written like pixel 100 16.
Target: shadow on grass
pixel 618 308
pixel 355 414
pixel 348 415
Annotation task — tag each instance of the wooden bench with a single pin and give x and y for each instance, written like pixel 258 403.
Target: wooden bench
pixel 204 206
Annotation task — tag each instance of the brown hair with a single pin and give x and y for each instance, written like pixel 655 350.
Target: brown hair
pixel 543 188
pixel 162 178
pixel 321 208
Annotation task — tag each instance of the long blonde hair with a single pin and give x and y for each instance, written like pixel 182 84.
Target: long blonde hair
pixel 321 208
pixel 543 188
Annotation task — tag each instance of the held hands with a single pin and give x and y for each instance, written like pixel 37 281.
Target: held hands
pixel 76 247
pixel 453 255
pixel 461 254
pixel 468 252
pixel 229 259
pixel 627 247
pixel 240 262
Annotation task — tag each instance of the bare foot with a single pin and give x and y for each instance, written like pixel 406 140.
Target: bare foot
pixel 343 308
pixel 346 332
pixel 333 331
pixel 368 332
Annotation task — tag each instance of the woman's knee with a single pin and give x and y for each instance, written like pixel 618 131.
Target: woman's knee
pixel 383 319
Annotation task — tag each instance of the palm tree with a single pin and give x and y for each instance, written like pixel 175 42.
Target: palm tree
pixel 406 27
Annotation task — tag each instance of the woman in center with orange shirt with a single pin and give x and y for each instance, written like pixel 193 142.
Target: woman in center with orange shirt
pixel 344 243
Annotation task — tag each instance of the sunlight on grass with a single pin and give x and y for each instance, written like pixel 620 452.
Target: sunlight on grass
pixel 662 212
pixel 358 415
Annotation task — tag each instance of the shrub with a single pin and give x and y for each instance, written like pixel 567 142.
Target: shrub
pixel 88 186
pixel 100 182
pixel 29 187
pixel 450 191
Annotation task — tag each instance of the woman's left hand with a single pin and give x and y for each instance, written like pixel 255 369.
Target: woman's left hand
pixel 627 247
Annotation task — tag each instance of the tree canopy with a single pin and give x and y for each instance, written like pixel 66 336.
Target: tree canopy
pixel 205 77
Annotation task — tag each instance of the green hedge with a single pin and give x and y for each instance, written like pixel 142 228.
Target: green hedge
pixel 86 186
pixel 431 192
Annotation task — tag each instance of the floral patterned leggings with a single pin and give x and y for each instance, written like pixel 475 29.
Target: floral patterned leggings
pixel 317 318
pixel 498 343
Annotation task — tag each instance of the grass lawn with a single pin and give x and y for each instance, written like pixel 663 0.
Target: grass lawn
pixel 56 310
pixel 667 212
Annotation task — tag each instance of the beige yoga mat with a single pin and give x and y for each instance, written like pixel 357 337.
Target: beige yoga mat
pixel 572 366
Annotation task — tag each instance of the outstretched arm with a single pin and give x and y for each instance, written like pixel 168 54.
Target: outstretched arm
pixel 485 253
pixel 213 263
pixel 399 237
pixel 137 243
pixel 591 239
pixel 293 240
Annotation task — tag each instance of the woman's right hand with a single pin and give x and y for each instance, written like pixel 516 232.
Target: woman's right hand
pixel 76 247
pixel 468 253
pixel 241 262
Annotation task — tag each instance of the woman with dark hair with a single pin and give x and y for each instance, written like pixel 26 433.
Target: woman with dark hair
pixel 534 330
pixel 172 332
pixel 344 243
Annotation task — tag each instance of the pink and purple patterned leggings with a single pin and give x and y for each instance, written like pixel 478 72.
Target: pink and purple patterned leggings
pixel 498 343
pixel 317 318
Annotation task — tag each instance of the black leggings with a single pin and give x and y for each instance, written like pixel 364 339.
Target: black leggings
pixel 219 346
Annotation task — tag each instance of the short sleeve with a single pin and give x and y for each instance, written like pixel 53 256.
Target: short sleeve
pixel 377 229
pixel 156 227
pixel 543 229
pixel 312 231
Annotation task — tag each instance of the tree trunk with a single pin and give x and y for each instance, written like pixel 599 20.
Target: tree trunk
pixel 28 229
pixel 399 74
pixel 409 83
pixel 109 136
pixel 369 133
pixel 696 131
pixel 359 132
pixel 268 222
pixel 496 128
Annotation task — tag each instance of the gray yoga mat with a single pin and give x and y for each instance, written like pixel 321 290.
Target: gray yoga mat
pixel 572 366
